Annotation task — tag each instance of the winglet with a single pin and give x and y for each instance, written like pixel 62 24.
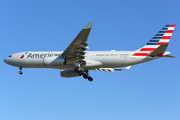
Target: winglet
pixel 89 26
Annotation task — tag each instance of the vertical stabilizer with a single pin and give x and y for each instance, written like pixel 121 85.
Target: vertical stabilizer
pixel 162 38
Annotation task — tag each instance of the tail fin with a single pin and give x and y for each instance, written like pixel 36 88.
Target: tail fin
pixel 158 44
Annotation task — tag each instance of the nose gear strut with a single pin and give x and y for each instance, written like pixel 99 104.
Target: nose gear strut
pixel 20 71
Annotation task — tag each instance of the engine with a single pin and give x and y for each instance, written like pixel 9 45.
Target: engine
pixel 54 60
pixel 69 73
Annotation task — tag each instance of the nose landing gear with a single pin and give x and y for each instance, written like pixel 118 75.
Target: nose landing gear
pixel 20 71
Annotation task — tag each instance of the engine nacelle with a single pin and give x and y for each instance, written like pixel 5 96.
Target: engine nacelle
pixel 69 73
pixel 54 60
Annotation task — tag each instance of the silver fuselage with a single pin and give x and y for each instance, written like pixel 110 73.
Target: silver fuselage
pixel 108 59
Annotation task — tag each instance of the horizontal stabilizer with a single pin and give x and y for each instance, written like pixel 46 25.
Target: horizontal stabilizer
pixel 169 56
pixel 159 51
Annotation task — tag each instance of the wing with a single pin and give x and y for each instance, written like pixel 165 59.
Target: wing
pixel 75 52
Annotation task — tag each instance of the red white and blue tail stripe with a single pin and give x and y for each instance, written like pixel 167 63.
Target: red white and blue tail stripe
pixel 162 37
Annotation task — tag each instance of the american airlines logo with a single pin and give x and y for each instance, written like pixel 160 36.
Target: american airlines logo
pixel 22 56
pixel 42 55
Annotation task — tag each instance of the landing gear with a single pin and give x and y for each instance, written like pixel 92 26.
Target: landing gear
pixel 90 79
pixel 20 71
pixel 86 76
pixel 85 73
pixel 77 69
pixel 81 72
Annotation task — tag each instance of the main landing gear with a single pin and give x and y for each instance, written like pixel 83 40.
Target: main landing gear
pixel 20 71
pixel 85 73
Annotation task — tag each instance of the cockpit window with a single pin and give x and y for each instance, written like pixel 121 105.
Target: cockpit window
pixel 9 56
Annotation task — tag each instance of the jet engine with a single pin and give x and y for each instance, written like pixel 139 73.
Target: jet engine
pixel 69 73
pixel 54 60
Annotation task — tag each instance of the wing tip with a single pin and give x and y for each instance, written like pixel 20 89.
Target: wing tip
pixel 89 26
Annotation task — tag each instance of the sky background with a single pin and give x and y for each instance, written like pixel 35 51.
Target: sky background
pixel 148 91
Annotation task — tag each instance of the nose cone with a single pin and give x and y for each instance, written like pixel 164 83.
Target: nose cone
pixel 6 60
pixel 9 61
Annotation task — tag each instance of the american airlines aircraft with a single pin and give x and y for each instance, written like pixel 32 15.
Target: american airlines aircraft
pixel 76 61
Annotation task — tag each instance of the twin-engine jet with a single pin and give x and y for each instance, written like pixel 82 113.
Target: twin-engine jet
pixel 77 61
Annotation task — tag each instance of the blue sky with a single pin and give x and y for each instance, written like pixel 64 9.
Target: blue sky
pixel 148 91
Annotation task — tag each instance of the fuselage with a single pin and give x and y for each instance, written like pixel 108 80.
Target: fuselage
pixel 104 59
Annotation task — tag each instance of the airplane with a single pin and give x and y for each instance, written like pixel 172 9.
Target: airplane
pixel 77 61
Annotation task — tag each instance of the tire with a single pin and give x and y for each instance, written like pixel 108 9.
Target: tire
pixel 76 69
pixel 85 76
pixel 81 72
pixel 90 79
pixel 20 72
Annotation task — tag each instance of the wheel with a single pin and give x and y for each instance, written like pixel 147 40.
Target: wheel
pixel 90 79
pixel 20 72
pixel 85 76
pixel 76 69
pixel 81 72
